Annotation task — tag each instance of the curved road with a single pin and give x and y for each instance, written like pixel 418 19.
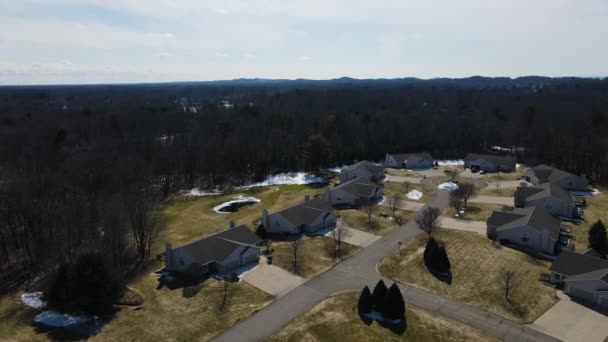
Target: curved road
pixel 360 270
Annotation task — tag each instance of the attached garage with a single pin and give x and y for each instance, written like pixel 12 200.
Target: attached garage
pixel 581 294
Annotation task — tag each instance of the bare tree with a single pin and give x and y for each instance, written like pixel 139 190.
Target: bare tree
pixel 456 201
pixel 144 221
pixel 509 281
pixel 294 246
pixel 426 219
pixel 228 278
pixel 368 208
pixel 394 202
pixel 452 174
pixel 466 191
pixel 339 233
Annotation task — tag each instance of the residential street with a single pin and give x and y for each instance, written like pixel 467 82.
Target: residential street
pixel 360 270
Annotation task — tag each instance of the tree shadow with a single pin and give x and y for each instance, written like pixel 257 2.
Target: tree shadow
pixel 445 277
pixel 366 320
pixel 75 333
pixel 397 328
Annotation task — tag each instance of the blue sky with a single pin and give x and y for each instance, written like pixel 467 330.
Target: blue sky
pixel 116 41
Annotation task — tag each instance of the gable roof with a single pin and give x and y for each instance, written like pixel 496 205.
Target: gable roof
pixel 306 212
pixel 412 157
pixel 532 193
pixel 546 173
pixel 534 217
pixel 371 168
pixel 579 266
pixel 358 187
pixel 492 158
pixel 219 246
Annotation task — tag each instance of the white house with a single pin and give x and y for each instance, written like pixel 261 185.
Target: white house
pixel 306 217
pixel 219 253
pixel 353 193
pixel 362 169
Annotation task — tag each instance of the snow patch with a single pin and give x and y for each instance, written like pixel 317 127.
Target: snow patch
pixel 336 169
pixel 289 178
pixel 196 192
pixel 448 186
pixel 33 300
pixel 448 162
pixel 239 199
pixel 414 194
pixel 59 320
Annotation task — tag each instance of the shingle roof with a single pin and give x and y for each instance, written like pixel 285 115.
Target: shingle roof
pixel 412 157
pixel 494 159
pixel 534 217
pixel 544 190
pixel 580 266
pixel 546 173
pixel 306 212
pixel 364 164
pixel 499 218
pixel 400 158
pixel 358 187
pixel 218 247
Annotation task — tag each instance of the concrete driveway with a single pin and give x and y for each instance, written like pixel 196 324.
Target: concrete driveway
pixel 402 179
pixel 464 225
pixel 570 321
pixel 355 237
pixel 500 200
pixel 271 279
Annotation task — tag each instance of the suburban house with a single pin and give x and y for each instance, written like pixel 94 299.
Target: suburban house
pixel 353 193
pixel 306 217
pixel 531 228
pixel 489 163
pixel 219 253
pixel 547 174
pixel 584 277
pixel 550 196
pixel 412 161
pixel 363 169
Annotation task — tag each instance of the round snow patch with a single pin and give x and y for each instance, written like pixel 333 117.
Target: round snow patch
pixel 448 186
pixel 414 194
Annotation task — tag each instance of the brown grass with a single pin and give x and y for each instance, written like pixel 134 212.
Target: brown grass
pixel 402 189
pixel 492 191
pixel 357 219
pixel 476 211
pixel 597 209
pixel 476 265
pixel 402 173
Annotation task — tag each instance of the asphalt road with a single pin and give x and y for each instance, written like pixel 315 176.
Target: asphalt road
pixel 360 270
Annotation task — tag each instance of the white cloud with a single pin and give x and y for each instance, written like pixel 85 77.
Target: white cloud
pixel 222 55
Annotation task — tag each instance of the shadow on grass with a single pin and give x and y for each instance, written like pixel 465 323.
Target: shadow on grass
pixel 445 277
pixel 75 333
pixel 397 328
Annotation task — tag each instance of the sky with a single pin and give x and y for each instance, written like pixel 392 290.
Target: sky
pixel 125 41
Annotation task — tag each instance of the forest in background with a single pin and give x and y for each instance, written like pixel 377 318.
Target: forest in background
pixel 82 168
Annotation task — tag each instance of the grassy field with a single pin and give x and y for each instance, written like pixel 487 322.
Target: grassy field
pixel 357 219
pixel 597 209
pixel 165 316
pixel 402 189
pixel 315 255
pixel 402 173
pixel 189 218
pixel 492 191
pixel 336 319
pixel 477 211
pixel 476 265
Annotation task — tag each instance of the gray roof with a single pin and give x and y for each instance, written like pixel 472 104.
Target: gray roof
pixel 546 173
pixel 494 159
pixel 535 217
pixel 580 266
pixel 358 187
pixel 219 246
pixel 532 193
pixel 306 212
pixel 365 165
pixel 412 157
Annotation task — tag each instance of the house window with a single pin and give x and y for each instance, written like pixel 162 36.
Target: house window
pixel 548 205
pixel 524 237
pixel 557 277
pixel 181 261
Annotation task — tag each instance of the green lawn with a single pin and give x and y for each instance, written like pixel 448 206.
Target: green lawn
pixel 597 209
pixel 165 316
pixel 477 211
pixel 402 189
pixel 336 319
pixel 402 173
pixel 357 219
pixel 315 255
pixel 476 265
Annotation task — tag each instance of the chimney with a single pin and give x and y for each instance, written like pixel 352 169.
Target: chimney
pixel 306 197
pixel 231 225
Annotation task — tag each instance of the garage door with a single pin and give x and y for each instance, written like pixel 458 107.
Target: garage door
pixel 602 301
pixel 581 294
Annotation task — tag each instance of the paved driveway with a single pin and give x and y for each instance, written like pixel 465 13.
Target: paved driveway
pixel 356 237
pixel 500 200
pixel 402 179
pixel 570 321
pixel 272 279
pixel 465 225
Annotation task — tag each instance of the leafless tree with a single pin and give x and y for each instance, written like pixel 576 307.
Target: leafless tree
pixel 456 201
pixel 452 174
pixel 228 278
pixel 394 202
pixel 466 191
pixel 426 219
pixel 339 233
pixel 368 208
pixel 143 220
pixel 294 246
pixel 509 281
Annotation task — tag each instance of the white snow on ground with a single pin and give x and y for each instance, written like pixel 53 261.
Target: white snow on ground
pixel 239 199
pixel 450 162
pixel 196 192
pixel 414 194
pixel 336 169
pixel 289 178
pixel 33 300
pixel 593 192
pixel 448 186
pixel 59 320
